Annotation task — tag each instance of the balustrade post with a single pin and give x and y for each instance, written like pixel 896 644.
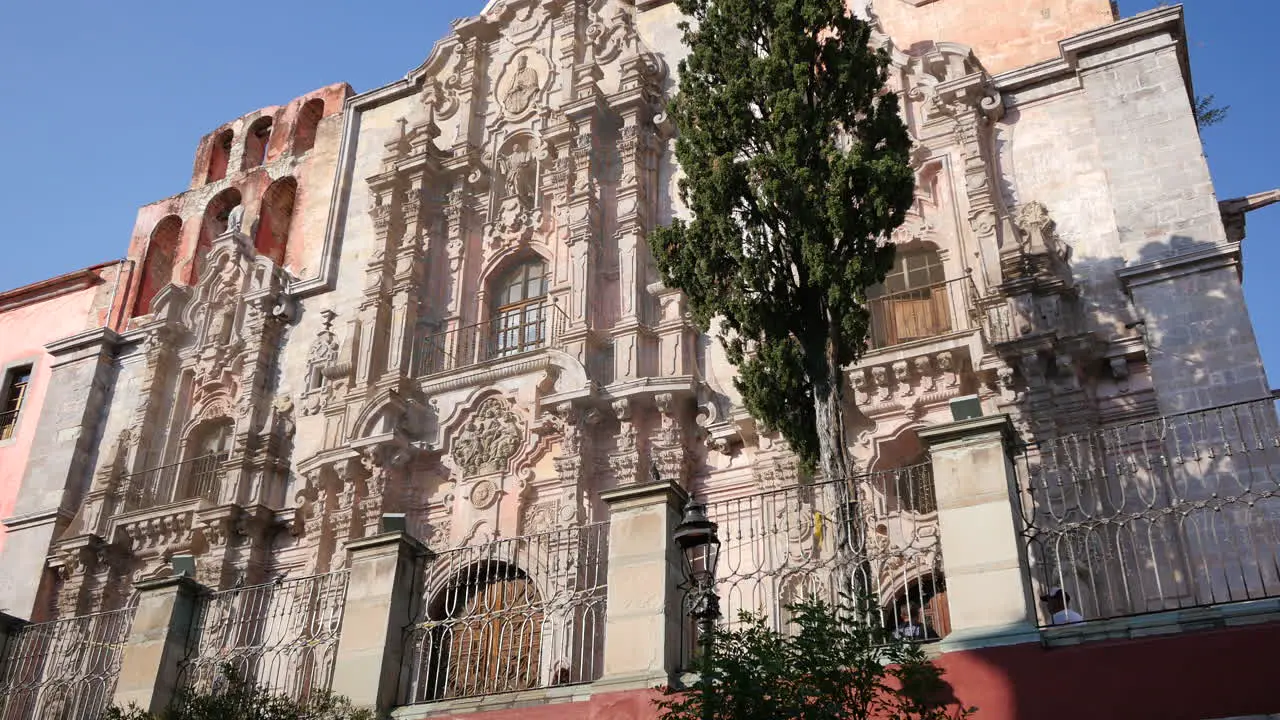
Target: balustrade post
pixel 989 593
pixel 157 642
pixel 380 603
pixel 644 614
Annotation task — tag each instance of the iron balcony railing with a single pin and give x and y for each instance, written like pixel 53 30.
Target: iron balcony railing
pixel 533 328
pixel 510 615
pixel 64 669
pixel 874 537
pixel 8 424
pixel 922 313
pixel 281 635
pixel 1177 512
pixel 199 477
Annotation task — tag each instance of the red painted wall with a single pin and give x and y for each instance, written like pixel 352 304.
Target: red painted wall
pixel 1190 676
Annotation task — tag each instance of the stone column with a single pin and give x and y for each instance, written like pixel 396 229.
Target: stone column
pixel 157 642
pixel 380 600
pixel 644 616
pixel 60 464
pixel 988 590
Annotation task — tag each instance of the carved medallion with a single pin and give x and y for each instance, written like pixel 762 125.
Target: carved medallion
pixel 489 439
pixel 483 494
pixel 521 82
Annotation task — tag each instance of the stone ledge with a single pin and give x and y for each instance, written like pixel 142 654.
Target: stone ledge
pixel 486 703
pixel 632 496
pixel 938 436
pixel 82 345
pixel 1211 257
pixel 1164 623
pixel 29 520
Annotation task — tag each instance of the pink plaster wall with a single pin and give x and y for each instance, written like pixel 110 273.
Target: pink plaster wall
pixel 71 308
pixel 1004 34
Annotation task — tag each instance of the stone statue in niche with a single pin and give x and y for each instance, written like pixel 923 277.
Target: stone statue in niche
pixel 520 90
pixel 235 219
pixel 518 172
pixel 489 439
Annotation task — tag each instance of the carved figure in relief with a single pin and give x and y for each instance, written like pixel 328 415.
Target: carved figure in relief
pixel 518 173
pixel 489 439
pixel 521 89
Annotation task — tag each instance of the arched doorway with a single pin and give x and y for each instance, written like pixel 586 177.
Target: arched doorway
pixel 486 636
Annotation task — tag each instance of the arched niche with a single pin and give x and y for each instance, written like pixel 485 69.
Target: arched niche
pixel 157 266
pixel 275 219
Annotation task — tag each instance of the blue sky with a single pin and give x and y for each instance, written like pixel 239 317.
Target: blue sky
pixel 104 103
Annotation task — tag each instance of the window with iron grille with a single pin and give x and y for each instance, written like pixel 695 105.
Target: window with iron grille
pixel 12 396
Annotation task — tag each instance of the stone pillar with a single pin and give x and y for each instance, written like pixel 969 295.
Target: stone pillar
pixel 157 642
pixel 988 589
pixel 60 462
pixel 644 616
pixel 380 601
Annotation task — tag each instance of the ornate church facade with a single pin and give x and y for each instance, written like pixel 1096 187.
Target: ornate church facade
pixel 431 308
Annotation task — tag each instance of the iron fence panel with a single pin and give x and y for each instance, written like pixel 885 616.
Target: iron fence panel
pixel 281 635
pixel 64 669
pixel 1177 512
pixel 510 615
pixel 873 538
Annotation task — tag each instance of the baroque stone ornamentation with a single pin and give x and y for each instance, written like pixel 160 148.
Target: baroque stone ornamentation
pixel 490 438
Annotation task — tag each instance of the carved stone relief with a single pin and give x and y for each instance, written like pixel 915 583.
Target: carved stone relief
pixel 489 439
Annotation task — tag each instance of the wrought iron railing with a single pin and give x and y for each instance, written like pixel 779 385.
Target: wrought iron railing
pixel 281 635
pixel 64 669
pixel 873 538
pixel 8 424
pixel 1177 512
pixel 198 477
pixel 922 313
pixel 510 615
pixel 536 327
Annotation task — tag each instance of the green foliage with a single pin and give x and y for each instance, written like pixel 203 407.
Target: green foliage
pixel 833 667
pixel 796 170
pixel 238 699
pixel 1207 115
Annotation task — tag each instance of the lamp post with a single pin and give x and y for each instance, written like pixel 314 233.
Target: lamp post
pixel 700 548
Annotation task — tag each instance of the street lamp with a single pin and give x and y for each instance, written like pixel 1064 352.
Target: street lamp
pixel 700 548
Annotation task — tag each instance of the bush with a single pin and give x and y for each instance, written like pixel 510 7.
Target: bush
pixel 834 666
pixel 235 698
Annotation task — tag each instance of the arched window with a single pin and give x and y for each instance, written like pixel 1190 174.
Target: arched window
pixel 486 635
pixel 219 156
pixel 214 224
pixel 255 143
pixel 304 128
pixel 157 268
pixel 208 447
pixel 519 319
pixel 913 301
pixel 274 218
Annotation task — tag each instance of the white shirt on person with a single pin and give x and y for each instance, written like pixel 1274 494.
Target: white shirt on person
pixel 1067 616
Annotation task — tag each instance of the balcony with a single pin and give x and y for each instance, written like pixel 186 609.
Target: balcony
pixel 195 478
pixel 533 328
pixel 922 313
